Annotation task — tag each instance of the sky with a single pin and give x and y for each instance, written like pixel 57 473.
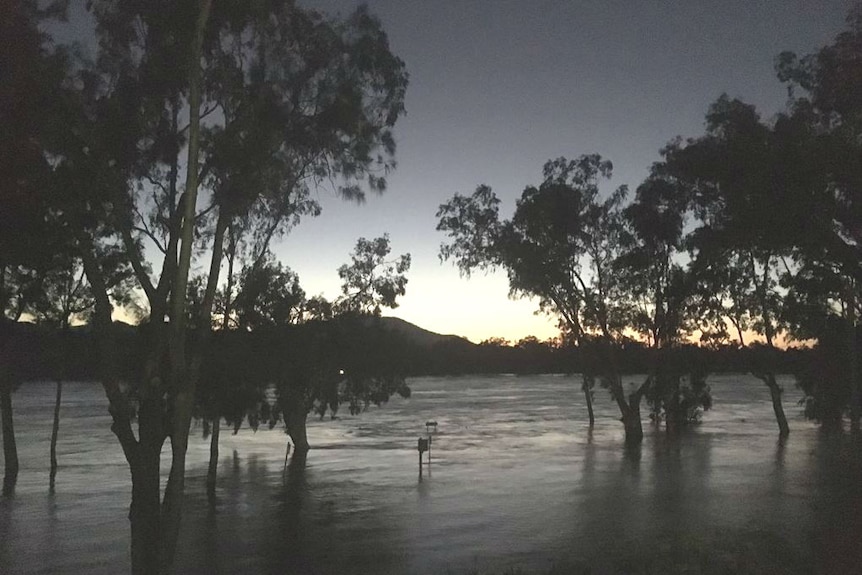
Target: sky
pixel 499 87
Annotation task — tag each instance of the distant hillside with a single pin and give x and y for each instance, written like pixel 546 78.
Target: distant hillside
pixel 419 336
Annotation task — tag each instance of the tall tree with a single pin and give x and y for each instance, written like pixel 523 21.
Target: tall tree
pixel 658 290
pixel 29 74
pixel 559 247
pixel 255 103
pixel 825 120
pixel 737 174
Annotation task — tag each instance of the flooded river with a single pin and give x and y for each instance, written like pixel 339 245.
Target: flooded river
pixel 516 482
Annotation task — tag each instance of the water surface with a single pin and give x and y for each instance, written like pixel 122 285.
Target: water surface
pixel 517 481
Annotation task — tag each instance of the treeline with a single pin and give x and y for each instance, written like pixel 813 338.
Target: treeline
pixel 44 353
pixel 457 358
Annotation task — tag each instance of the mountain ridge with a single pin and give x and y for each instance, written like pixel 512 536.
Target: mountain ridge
pixel 419 335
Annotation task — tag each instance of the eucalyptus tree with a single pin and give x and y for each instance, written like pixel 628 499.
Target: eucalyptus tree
pixel 254 103
pixel 738 174
pixel 372 281
pixel 346 356
pixel 825 121
pixel 559 247
pixel 26 75
pixel 658 290
pixel 268 295
pixel 65 297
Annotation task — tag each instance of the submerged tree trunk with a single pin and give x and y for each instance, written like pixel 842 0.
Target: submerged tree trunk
pixel 630 411
pixel 587 386
pixel 296 420
pixel 173 498
pixel 777 407
pixel 213 465
pixel 10 449
pixel 212 470
pixel 853 362
pixel 674 416
pixel 184 373
pixel 145 514
pixel 54 432
pixel 633 426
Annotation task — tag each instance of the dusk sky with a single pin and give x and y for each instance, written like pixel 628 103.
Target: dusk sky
pixel 499 87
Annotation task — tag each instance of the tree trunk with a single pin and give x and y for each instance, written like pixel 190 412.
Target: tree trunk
pixel 633 426
pixel 296 417
pixel 630 411
pixel 673 410
pixel 145 514
pixel 777 407
pixel 853 362
pixel 587 386
pixel 172 504
pixel 182 373
pixel 10 449
pixel 213 466
pixel 54 432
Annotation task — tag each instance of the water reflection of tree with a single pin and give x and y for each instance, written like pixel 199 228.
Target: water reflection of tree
pixel 836 503
pixel 312 527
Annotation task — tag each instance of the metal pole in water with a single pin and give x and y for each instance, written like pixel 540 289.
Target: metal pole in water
pixel 422 446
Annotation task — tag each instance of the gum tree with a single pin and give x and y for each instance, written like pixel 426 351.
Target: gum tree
pixel 738 173
pixel 559 246
pixel 195 115
pixel 658 291
pixel 825 120
pixel 349 358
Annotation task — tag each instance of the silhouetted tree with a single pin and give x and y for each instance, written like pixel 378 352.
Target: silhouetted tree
pixel 559 246
pixel 269 294
pixel 824 124
pixel 349 358
pixel 29 75
pixel 736 175
pixel 371 281
pixel 65 297
pixel 254 102
pixel 658 292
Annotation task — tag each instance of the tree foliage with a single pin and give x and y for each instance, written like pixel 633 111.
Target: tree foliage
pixel 191 119
pixel 371 281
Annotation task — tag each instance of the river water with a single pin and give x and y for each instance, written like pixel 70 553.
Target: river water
pixel 516 482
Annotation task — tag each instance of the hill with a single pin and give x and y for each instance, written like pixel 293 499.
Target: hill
pixel 422 337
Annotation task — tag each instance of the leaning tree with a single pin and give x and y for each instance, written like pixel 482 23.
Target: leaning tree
pixel 559 246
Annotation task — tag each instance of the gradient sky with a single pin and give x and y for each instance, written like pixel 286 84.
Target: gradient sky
pixel 499 87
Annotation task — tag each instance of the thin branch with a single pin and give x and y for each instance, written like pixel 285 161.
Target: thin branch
pixel 202 213
pixel 207 112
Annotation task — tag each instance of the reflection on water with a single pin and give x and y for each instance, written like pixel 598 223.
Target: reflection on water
pixel 519 481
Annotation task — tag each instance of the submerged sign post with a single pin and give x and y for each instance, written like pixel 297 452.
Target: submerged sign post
pixel 424 445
